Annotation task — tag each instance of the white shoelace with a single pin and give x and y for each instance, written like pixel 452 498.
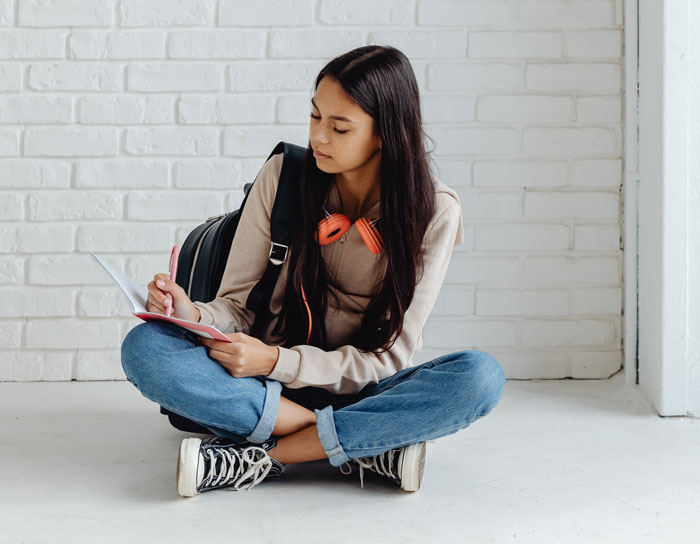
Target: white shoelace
pixel 231 471
pixel 376 463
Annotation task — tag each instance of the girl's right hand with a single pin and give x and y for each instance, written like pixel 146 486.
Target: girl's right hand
pixel 163 292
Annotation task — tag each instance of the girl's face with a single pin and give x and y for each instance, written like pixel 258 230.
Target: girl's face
pixel 340 129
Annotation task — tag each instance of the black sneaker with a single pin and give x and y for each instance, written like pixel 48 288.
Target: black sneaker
pixel 403 466
pixel 217 462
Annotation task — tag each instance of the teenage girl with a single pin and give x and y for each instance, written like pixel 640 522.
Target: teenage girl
pixel 332 376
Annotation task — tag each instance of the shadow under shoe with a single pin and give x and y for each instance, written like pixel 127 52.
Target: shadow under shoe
pixel 218 462
pixel 404 466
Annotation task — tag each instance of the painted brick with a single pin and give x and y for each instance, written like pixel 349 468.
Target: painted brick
pixel 31 44
pixel 474 76
pixel 515 44
pixel 423 44
pixel 594 43
pixel 597 237
pixel 115 237
pixel 605 301
pixel 517 108
pixel 46 238
pixel 30 173
pixel 10 77
pixel 192 141
pixel 588 206
pixel 167 12
pixel 272 76
pixel 572 270
pixel 569 13
pixel 367 12
pixel 9 143
pixel 569 332
pixel 35 109
pixel 70 142
pixel 466 12
pixel 72 334
pixel 294 44
pixel 126 110
pixel 596 173
pixel 174 77
pixel 219 44
pixel 524 302
pixel 571 141
pixel 11 207
pixel 65 12
pixel 266 12
pixel 116 45
pixel 605 109
pixel 219 174
pixel 75 76
pixel 585 78
pixel 168 206
pixel 521 237
pixel 121 174
pixel 74 205
pixel 226 109
pixel 525 173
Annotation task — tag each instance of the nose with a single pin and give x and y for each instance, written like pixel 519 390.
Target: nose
pixel 318 134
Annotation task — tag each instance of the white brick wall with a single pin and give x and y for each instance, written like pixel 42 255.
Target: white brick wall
pixel 125 123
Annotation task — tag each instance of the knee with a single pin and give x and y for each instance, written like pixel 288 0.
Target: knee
pixel 137 343
pixel 484 376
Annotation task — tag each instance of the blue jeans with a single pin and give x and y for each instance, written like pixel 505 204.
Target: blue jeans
pixel 168 366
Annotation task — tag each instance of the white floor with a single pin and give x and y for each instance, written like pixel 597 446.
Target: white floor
pixel 556 461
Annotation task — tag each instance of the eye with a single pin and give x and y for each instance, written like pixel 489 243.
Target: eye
pixel 335 129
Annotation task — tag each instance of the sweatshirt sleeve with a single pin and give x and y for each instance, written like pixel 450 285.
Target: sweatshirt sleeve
pixel 346 369
pixel 247 259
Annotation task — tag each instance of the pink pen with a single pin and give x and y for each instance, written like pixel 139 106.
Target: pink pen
pixel 172 268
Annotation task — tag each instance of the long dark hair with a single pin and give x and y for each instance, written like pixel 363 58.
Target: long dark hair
pixel 381 80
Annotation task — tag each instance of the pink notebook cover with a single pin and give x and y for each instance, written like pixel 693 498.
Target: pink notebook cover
pixel 137 294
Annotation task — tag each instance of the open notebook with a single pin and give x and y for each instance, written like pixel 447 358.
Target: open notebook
pixel 137 294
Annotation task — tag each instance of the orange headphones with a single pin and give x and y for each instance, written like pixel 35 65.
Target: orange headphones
pixel 332 227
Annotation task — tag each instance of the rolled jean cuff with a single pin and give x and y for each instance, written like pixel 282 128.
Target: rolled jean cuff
pixel 329 438
pixel 271 407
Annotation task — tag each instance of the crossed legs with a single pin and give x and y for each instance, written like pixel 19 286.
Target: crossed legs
pixel 299 440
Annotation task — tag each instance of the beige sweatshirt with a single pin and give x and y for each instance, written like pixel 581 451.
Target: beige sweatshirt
pixel 356 271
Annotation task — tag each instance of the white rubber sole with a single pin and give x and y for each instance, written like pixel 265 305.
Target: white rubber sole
pixel 187 461
pixel 412 463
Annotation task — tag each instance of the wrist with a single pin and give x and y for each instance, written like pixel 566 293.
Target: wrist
pixel 274 356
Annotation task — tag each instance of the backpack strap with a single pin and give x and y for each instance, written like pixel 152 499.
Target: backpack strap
pixel 282 220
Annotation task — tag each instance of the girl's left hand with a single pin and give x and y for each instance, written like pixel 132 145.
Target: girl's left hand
pixel 245 356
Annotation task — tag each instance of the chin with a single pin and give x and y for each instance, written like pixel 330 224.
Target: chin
pixel 327 168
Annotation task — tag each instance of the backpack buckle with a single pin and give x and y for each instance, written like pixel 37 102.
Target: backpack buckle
pixel 280 253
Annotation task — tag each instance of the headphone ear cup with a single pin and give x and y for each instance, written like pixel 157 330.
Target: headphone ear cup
pixel 372 238
pixel 331 228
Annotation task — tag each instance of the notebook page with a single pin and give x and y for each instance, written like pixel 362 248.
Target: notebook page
pixel 135 293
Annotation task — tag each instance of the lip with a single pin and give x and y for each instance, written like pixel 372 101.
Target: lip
pixel 320 155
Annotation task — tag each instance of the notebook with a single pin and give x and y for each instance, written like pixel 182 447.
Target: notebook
pixel 137 294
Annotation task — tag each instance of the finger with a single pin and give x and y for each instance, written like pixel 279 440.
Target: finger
pixel 153 306
pixel 220 357
pixel 163 281
pixel 162 298
pixel 158 296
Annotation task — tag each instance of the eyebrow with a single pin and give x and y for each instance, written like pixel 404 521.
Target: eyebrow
pixel 339 118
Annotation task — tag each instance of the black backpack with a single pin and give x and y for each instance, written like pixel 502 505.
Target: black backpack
pixel 204 253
